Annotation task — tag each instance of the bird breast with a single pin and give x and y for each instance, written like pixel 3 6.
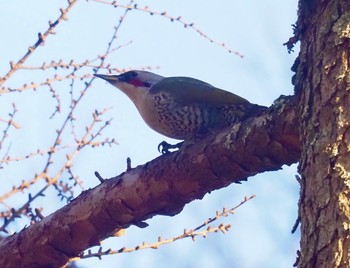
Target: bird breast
pixel 164 115
pixel 157 112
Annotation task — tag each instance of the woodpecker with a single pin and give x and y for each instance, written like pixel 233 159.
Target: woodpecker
pixel 181 107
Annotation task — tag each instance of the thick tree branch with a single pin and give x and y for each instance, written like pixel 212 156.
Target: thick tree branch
pixel 160 187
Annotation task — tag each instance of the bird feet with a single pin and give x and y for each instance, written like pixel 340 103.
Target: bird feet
pixel 164 147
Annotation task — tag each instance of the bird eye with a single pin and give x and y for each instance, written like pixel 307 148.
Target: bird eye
pixel 126 77
pixel 130 75
pixel 146 84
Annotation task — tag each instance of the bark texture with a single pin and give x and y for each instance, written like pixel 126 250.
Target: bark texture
pixel 160 187
pixel 323 84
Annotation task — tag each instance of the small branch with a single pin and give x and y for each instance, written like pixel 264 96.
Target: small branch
pixel 186 234
pixel 62 188
pixel 78 65
pixel 99 177
pixel 178 19
pixel 128 164
pixel 40 41
pixel 87 139
pixel 192 234
pixel 9 123
pixel 224 213
pixel 48 82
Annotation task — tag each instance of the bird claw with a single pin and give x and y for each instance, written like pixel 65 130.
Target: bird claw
pixel 164 147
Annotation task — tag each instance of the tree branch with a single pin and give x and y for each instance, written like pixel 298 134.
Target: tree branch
pixel 160 187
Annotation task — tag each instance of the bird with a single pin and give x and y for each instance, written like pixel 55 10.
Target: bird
pixel 181 107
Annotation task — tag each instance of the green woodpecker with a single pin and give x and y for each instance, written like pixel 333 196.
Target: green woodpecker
pixel 181 107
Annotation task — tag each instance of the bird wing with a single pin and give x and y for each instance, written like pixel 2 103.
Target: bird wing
pixel 186 90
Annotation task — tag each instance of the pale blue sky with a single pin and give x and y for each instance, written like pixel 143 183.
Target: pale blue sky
pixel 260 234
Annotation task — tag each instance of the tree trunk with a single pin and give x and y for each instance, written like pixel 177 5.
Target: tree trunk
pixel 322 84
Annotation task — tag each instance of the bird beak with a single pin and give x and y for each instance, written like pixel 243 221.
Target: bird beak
pixel 108 78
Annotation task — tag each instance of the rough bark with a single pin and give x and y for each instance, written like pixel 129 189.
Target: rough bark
pixel 323 84
pixel 160 187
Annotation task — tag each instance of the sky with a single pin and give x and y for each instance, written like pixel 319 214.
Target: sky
pixel 261 230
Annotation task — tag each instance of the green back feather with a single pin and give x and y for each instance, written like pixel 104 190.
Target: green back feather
pixel 189 90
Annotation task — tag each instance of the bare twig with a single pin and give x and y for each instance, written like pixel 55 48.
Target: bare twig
pixel 87 139
pixel 40 41
pixel 9 123
pixel 160 242
pixel 172 19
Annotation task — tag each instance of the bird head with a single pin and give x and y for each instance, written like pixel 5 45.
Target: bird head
pixel 130 80
pixel 135 84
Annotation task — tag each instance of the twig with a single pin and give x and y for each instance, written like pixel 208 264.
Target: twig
pixel 40 41
pixel 172 19
pixel 99 177
pixel 186 234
